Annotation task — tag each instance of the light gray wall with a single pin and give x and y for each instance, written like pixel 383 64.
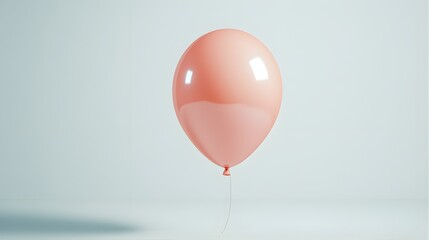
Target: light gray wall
pixel 86 107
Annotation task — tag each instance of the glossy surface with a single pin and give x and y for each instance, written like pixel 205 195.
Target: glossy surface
pixel 227 93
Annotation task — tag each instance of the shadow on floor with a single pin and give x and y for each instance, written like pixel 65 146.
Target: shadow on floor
pixel 32 223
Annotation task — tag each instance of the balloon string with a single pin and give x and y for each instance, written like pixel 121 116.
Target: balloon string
pixel 230 204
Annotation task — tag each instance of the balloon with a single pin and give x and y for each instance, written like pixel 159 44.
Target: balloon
pixel 227 93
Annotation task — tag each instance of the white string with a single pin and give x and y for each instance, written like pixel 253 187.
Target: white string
pixel 229 209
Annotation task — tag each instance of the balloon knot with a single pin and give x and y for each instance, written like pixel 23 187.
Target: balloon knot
pixel 226 172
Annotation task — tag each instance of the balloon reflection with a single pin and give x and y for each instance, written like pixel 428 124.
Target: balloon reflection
pixel 259 69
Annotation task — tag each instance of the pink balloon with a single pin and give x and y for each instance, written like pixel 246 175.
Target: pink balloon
pixel 227 93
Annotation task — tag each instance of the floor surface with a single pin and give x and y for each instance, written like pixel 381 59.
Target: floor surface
pixel 298 220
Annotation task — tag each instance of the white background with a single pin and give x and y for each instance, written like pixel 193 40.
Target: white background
pixel 87 109
pixel 86 103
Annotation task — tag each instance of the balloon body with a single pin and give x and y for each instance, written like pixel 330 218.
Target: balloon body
pixel 227 93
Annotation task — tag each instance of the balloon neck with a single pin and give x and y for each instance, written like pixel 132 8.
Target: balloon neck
pixel 226 172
